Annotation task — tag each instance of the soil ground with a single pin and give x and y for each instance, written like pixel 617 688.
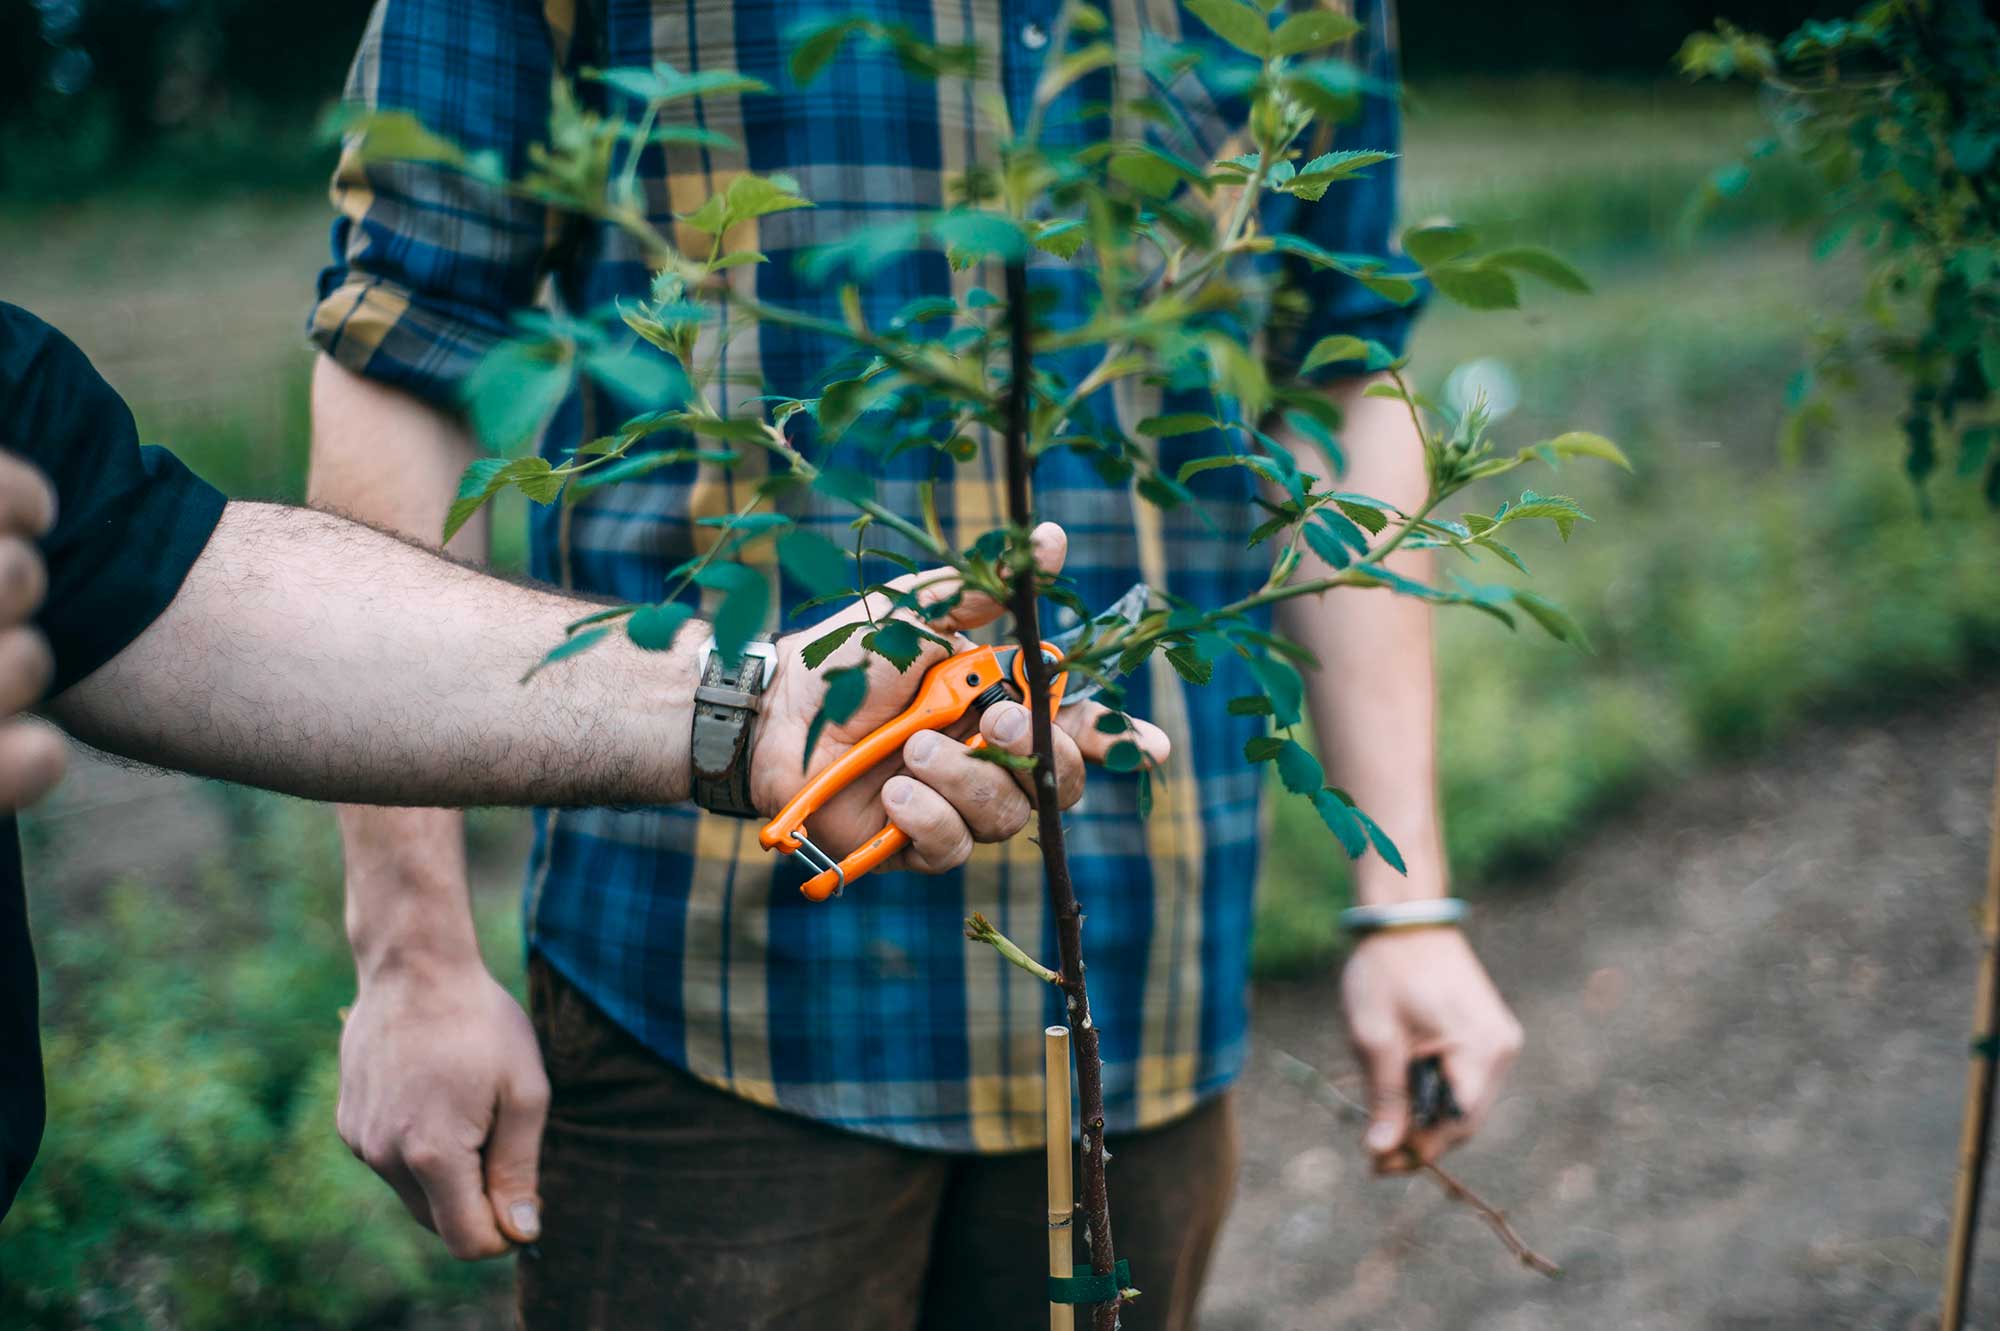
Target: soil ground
pixel 1747 1008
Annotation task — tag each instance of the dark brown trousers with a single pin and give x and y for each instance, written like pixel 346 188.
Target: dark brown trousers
pixel 668 1205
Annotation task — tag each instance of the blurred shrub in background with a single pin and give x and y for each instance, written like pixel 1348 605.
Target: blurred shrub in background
pixel 191 1177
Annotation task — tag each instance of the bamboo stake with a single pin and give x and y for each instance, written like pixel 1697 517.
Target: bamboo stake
pixel 1977 1131
pixel 1062 1202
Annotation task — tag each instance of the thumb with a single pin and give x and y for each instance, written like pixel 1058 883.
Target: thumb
pixel 1387 1061
pixel 513 1158
pixel 1051 545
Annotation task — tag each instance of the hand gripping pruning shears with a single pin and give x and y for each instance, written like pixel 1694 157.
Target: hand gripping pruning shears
pixel 968 681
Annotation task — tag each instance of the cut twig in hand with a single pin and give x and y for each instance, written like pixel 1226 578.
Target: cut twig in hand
pixel 1311 1078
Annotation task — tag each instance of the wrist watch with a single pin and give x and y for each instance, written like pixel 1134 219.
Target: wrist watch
pixel 725 725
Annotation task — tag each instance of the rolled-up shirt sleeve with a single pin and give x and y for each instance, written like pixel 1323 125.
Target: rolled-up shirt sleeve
pixel 429 263
pixel 1356 218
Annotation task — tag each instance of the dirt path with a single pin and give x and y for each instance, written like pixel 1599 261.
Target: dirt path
pixel 1747 1009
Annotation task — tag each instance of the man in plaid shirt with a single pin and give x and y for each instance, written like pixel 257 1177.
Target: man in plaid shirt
pixel 750 1109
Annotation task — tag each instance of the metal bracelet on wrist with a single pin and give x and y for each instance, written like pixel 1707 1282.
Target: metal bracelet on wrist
pixel 1428 913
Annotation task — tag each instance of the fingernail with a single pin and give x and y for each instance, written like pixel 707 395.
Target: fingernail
pixel 1012 724
pixel 899 792
pixel 922 746
pixel 526 1222
pixel 1381 1137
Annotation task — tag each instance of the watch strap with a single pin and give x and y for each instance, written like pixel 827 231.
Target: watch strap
pixel 725 727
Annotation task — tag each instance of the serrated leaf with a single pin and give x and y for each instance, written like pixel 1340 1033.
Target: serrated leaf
pixel 1343 822
pixel 1380 840
pixel 814 653
pixel 1312 30
pixel 581 642
pixel 740 615
pixel 1328 547
pixel 1583 444
pixel 1249 704
pixel 653 626
pixel 515 388
pixel 1433 245
pixel 1298 770
pixel 814 562
pixel 1367 516
pixel 1281 684
pixel 1475 286
pixel 898 641
pixel 1176 423
pixel 846 690
pixel 1343 347
pixel 1263 748
pixel 1190 666
pixel 1553 618
pixel 1538 262
pixel 1262 466
pixel 1242 26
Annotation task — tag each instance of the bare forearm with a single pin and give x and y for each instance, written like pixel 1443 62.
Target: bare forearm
pixel 1374 701
pixel 316 656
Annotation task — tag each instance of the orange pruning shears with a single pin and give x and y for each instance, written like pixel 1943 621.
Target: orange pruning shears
pixel 969 681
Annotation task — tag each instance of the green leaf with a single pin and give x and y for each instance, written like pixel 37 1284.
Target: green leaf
pixel 1538 262
pixel 1432 245
pixel 1113 723
pixel 1553 618
pixel 1061 238
pixel 1190 666
pixel 1299 770
pixel 515 388
pixel 1262 466
pixel 1263 748
pixel 479 483
pixel 1583 444
pixel 815 652
pixel 1315 176
pixel 1124 756
pixel 1401 290
pixel 1344 347
pixel 1145 793
pixel 1281 684
pixel 1152 171
pixel 1380 840
pixel 1476 286
pixel 1343 822
pixel 817 44
pixel 1242 26
pixel 846 690
pixel 746 596
pixel 814 562
pixel 398 136
pixel 897 641
pixel 1176 423
pixel 977 234
pixel 1326 546
pixel 1363 514
pixel 1249 704
pixel 750 524
pixel 581 642
pixel 1312 30
pixel 653 626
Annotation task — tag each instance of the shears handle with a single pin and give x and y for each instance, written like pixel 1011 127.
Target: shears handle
pixel 950 688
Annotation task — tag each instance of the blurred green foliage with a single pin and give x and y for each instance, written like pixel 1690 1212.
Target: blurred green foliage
pixel 190 1177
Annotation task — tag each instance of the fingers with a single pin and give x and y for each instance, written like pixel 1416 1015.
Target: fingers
pixel 23 580
pixel 984 795
pixel 33 756
pixel 25 668
pixel 1385 1057
pixel 27 500
pixel 513 1158
pixel 1476 1069
pixel 1080 720
pixel 939 838
pixel 449 1175
pixel 933 586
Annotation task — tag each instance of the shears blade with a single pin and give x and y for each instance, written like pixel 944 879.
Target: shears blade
pixel 1128 609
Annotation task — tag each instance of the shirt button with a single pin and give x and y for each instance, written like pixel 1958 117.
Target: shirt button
pixel 1034 36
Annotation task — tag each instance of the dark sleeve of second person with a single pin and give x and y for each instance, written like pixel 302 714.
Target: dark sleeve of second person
pixel 130 522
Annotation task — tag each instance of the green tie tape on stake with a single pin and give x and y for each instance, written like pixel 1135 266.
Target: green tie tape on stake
pixel 1086 1286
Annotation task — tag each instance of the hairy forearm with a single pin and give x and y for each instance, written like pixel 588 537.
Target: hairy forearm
pixel 1374 701
pixel 309 654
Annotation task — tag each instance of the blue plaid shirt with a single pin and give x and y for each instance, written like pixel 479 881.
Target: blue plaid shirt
pixel 871 1011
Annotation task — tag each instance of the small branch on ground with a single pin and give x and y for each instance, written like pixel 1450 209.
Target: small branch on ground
pixel 1304 1074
